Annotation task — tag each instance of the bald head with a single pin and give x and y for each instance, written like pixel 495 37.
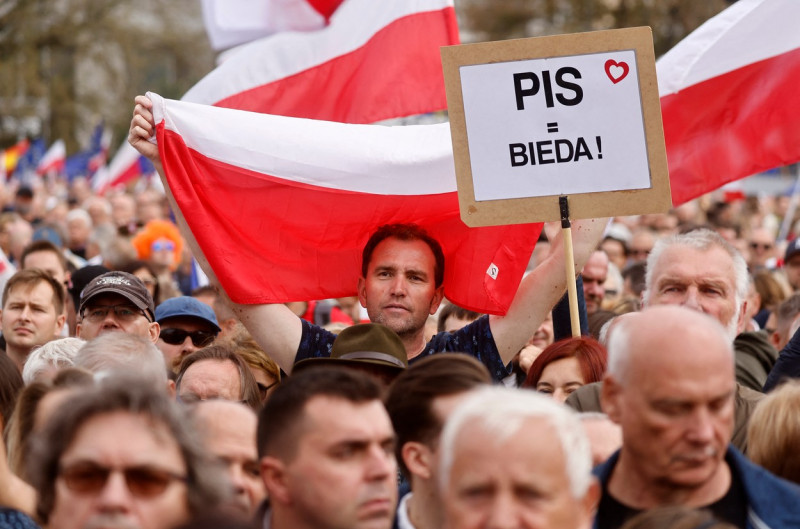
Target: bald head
pixel 665 334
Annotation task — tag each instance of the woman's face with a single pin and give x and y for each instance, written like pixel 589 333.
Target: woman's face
pixel 560 378
pixel 162 252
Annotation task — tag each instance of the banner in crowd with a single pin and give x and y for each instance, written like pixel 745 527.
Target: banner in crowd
pixel 277 224
pixel 729 97
pixel 374 61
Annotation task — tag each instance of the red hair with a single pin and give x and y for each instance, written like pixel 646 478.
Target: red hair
pixel 591 354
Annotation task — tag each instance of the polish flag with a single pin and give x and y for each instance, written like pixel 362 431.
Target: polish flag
pixel 234 22
pixel 282 207
pixel 53 159
pixel 374 61
pixel 126 165
pixel 729 97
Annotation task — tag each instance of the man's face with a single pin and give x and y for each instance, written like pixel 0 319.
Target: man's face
pixel 513 484
pixel 399 289
pixel 702 280
pixel 119 441
pixel 343 475
pixel 29 317
pixel 230 430
pixel 792 268
pixel 675 405
pixel 594 275
pixel 131 320
pixel 211 379
pixel 47 261
pixel 175 352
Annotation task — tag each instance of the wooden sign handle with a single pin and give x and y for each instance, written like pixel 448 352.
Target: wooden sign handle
pixel 569 267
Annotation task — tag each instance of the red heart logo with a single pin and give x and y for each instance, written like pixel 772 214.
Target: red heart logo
pixel 616 71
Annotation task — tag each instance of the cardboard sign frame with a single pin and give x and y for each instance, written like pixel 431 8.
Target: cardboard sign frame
pixel 655 199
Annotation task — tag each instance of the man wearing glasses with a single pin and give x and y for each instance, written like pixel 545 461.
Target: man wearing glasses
pixel 116 301
pixel 122 455
pixel 186 326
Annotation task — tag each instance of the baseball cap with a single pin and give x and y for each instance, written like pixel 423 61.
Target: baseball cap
pixel 186 307
pixel 366 343
pixel 122 283
pixel 792 249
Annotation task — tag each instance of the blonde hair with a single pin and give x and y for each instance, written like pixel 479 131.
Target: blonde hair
pixel 773 433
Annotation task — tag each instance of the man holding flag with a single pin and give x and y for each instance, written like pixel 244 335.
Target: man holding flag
pixel 400 285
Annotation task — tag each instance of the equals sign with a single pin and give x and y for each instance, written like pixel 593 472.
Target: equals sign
pixel 552 127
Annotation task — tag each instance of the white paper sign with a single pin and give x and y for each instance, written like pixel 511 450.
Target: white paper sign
pixel 555 126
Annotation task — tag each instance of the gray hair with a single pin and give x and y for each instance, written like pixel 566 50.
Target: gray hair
pixel 56 354
pixel 704 240
pixel 75 214
pixel 119 353
pixel 205 485
pixel 502 411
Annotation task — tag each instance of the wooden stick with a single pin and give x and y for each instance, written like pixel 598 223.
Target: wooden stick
pixel 569 266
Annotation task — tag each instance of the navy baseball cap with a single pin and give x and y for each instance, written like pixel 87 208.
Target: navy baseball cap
pixel 792 249
pixel 186 307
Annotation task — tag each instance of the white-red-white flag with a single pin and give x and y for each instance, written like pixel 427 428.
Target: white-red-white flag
pixel 729 97
pixel 233 22
pixel 282 207
pixel 53 159
pixel 374 61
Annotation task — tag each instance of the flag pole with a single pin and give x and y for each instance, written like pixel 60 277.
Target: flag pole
pixel 569 264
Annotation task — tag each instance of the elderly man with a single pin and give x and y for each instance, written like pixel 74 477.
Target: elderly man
pixel 492 475
pixel 229 434
pixel 327 453
pixel 670 386
pixel 120 456
pixel 216 372
pixel 701 271
pixel 114 302
pixel 187 325
pixel 33 312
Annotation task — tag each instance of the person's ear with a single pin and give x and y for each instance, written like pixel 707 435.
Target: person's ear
pixel 273 474
pixel 438 295
pixel 155 331
pixel 418 459
pixel 362 291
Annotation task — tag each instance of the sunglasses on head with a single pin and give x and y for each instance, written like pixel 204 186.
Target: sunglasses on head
pixel 143 481
pixel 178 336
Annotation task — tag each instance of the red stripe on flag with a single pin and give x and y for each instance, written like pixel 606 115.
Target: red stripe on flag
pixel 732 126
pixel 379 72
pixel 269 240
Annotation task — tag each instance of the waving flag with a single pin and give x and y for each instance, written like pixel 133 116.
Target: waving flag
pixel 126 165
pixel 87 162
pixel 729 97
pixel 9 158
pixel 53 159
pixel 233 22
pixel 374 61
pixel 282 207
pixel 25 170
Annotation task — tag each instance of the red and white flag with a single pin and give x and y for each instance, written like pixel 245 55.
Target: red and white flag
pixel 374 61
pixel 126 165
pixel 729 97
pixel 234 22
pixel 282 207
pixel 53 159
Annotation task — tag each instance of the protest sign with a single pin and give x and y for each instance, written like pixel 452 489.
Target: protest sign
pixel 569 115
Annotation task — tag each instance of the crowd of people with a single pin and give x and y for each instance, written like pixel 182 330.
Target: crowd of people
pixel 131 398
